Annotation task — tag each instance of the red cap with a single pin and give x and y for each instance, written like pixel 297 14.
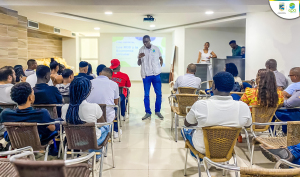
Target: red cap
pixel 114 63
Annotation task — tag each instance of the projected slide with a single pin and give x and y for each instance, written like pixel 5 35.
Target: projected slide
pixel 126 49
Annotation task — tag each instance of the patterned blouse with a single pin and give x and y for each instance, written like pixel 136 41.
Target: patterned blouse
pixel 250 97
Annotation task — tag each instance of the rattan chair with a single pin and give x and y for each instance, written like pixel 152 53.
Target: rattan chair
pixel 6 168
pixel 219 145
pixel 291 139
pixel 57 168
pixel 23 134
pixel 50 107
pixel 260 115
pixel 8 105
pixel 255 172
pixel 83 137
pixel 184 101
pixel 187 90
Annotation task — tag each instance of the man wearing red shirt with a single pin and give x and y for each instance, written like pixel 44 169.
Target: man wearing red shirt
pixel 122 80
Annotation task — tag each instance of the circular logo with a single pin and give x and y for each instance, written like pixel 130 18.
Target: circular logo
pixel 287 9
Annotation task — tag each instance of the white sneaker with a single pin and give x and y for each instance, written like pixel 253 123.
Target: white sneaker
pixel 116 134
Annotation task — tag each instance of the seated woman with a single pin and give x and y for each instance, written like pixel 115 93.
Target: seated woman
pixel 79 111
pixel 54 66
pixel 232 69
pixel 266 92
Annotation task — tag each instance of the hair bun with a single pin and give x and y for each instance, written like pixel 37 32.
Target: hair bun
pixel 52 60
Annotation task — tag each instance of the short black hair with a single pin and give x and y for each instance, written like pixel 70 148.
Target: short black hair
pixel 232 69
pixel 224 81
pixel 146 36
pixel 20 92
pixel 100 68
pixel 108 71
pixel 5 72
pixel 233 41
pixel 42 71
pixel 67 73
pixel 30 62
pixel 53 64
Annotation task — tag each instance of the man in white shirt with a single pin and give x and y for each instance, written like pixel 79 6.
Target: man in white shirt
pixel 189 79
pixel 32 65
pixel 32 80
pixel 219 110
pixel 7 81
pixel 106 91
pixel 150 60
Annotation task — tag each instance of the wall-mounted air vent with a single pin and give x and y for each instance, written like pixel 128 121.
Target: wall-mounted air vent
pixel 73 34
pixel 56 30
pixel 33 24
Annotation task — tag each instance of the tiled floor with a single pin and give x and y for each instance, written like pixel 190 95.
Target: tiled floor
pixel 148 149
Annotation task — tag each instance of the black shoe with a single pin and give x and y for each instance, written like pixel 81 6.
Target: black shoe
pixel 147 116
pixel 159 115
pixel 276 154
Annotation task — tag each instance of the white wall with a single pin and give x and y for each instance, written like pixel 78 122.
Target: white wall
pixel 133 72
pixel 269 36
pixel 218 38
pixel 70 52
pixel 179 41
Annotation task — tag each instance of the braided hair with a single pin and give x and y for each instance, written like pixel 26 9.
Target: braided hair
pixel 19 72
pixel 80 89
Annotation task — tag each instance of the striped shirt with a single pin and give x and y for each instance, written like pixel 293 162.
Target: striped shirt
pixel 188 80
pixel 150 62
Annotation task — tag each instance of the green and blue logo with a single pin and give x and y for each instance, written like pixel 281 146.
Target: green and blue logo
pixel 292 8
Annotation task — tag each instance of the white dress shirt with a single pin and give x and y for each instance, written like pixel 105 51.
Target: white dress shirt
pixel 5 90
pixel 32 79
pixel 88 112
pixel 188 80
pixel 104 91
pixel 217 111
pixel 150 62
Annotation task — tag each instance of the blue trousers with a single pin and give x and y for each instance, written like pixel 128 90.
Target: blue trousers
pixel 104 132
pixel 286 115
pixel 156 82
pixel 295 150
pixel 116 121
pixel 189 136
pixel 123 104
pixel 246 84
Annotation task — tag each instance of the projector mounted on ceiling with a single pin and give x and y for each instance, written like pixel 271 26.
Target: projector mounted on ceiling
pixel 149 18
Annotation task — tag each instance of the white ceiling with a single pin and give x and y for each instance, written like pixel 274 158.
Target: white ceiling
pixel 167 13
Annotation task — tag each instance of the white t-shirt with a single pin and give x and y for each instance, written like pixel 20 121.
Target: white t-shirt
pixel 150 62
pixel 5 90
pixel 217 111
pixel 88 112
pixel 29 72
pixel 32 79
pixel 188 80
pixel 204 56
pixel 104 91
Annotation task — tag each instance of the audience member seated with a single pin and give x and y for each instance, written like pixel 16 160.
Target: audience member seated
pixel 266 93
pixel 100 68
pixel 54 66
pixel 122 80
pixel 79 111
pixel 61 69
pixel 7 81
pixel 64 88
pixel 20 75
pixel 189 79
pixel 90 71
pixel 219 110
pixel 295 77
pixel 238 84
pixel 32 65
pixel 45 94
pixel 32 80
pixel 106 91
pixel 281 80
pixel 23 95
pixel 83 69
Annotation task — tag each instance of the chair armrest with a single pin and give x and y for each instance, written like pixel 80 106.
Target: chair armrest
pixel 112 106
pixel 191 127
pixel 81 159
pixel 24 154
pixel 102 124
pixel 50 123
pixel 282 161
pixel 269 123
pixel 170 98
pixel 207 162
pixel 16 151
pixel 284 108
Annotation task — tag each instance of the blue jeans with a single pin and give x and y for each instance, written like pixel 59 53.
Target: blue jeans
pixel 189 136
pixel 104 132
pixel 123 104
pixel 295 150
pixel 116 121
pixel 156 82
pixel 286 115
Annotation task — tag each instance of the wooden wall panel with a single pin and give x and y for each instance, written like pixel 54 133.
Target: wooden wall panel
pixel 41 45
pixel 22 41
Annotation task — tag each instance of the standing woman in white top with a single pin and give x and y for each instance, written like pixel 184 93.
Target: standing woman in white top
pixel 205 54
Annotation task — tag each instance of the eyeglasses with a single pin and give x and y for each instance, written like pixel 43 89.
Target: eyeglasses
pixel 291 75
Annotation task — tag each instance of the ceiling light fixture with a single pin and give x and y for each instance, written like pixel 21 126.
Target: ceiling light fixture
pixel 209 12
pixel 108 13
pixel 96 28
pixel 152 26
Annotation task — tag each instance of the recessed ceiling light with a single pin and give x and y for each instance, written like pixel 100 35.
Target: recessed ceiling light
pixel 108 13
pixel 209 12
pixel 96 28
pixel 152 26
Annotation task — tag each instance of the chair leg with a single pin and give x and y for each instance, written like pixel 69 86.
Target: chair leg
pixel 101 164
pixel 176 128
pixel 112 152
pixel 223 171
pixel 172 120
pixel 9 148
pixel 119 130
pixel 72 155
pixel 46 153
pixel 105 154
pixel 199 165
pixel 271 131
pixel 252 153
pixel 65 154
pixel 186 156
pixel 94 166
pixel 248 142
pixel 235 163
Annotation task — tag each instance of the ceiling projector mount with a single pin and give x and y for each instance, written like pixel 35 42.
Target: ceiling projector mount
pixel 149 18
